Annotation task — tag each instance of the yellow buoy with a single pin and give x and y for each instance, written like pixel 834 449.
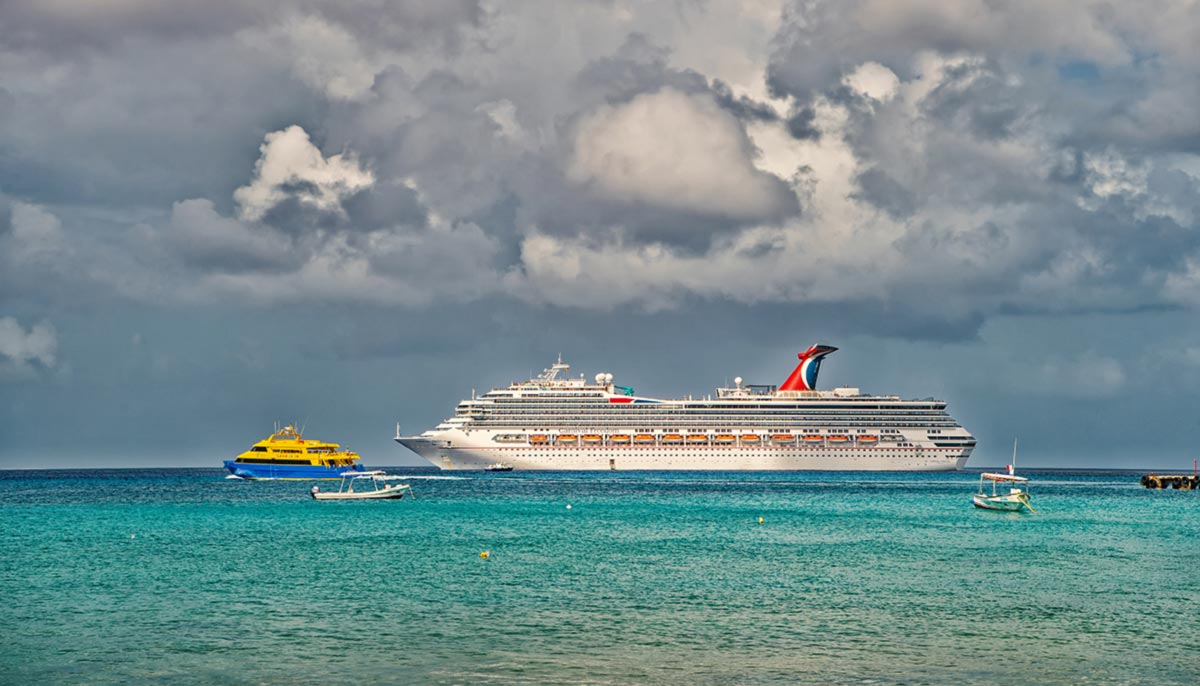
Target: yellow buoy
pixel 760 520
pixel 484 554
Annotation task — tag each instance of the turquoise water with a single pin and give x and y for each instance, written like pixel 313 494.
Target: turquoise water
pixel 183 577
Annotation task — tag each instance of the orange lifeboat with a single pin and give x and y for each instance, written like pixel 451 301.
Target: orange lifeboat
pixel 672 439
pixel 783 438
pixel 751 438
pixel 620 439
pixel 539 439
pixel 697 438
pixel 813 439
pixel 868 438
pixel 836 439
pixel 643 439
pixel 567 438
pixel 592 439
pixel 723 439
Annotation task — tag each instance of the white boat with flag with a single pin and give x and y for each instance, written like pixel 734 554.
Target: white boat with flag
pixel 1014 500
pixel 1010 493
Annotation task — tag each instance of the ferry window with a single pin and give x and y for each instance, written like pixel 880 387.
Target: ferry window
pixel 258 449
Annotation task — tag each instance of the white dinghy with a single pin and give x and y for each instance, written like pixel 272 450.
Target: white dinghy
pixel 372 485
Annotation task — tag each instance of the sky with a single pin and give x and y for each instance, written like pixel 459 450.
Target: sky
pixel 219 214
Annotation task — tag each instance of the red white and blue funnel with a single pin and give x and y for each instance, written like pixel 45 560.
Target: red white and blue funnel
pixel 804 376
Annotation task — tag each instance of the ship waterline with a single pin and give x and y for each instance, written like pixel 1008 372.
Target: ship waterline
pixel 550 422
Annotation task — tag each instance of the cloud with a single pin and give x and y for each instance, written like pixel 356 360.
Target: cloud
pixel 951 162
pixel 292 167
pixel 22 352
pixel 679 151
pixel 873 80
pixel 385 267
pixel 204 238
pixel 319 230
pixel 37 235
pixel 1087 376
pixel 321 53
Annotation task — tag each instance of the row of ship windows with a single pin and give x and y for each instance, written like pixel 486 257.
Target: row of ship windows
pixel 940 421
pixel 524 426
pixel 887 434
pixel 669 407
pixel 875 452
pixel 617 412
pixel 847 403
pixel 709 407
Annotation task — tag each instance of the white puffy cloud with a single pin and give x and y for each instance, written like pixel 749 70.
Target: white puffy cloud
pixel 873 80
pixel 37 235
pixel 291 165
pixel 21 350
pixel 320 53
pixel 675 150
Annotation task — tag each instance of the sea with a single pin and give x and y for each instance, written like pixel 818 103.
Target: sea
pixel 181 576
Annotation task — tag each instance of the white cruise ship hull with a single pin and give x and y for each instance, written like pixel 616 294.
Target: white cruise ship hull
pixel 461 454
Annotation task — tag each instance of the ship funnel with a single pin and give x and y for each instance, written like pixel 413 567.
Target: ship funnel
pixel 804 376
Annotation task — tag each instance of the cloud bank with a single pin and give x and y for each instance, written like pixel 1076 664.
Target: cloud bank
pixel 950 162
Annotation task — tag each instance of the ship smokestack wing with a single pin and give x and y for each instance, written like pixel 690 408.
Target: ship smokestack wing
pixel 804 376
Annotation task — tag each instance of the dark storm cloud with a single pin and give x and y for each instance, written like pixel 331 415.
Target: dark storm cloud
pixel 884 192
pixel 407 24
pixel 638 66
pixel 977 99
pixel 130 132
pixel 800 124
pixel 295 215
pixel 67 26
pixel 382 206
pixel 742 107
pixel 73 25
pixel 5 215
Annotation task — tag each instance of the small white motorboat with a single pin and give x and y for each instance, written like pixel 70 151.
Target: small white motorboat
pixel 1017 497
pixel 499 467
pixel 373 485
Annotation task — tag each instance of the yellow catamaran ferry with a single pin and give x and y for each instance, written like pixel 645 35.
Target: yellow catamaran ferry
pixel 286 454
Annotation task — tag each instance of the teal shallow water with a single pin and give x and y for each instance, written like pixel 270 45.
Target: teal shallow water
pixel 182 577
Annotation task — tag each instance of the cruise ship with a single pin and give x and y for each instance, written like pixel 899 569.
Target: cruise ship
pixel 554 421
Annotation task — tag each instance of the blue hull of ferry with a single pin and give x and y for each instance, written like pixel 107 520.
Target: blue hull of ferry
pixel 285 471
